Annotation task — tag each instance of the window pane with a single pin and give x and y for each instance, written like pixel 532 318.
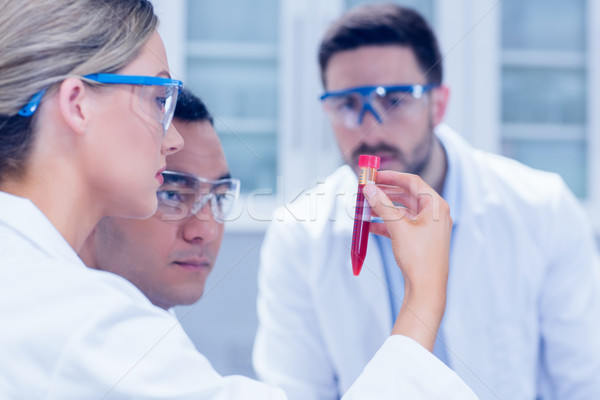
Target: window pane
pixel 242 96
pixel 569 159
pixel 544 95
pixel 544 24
pixel 232 65
pixel 253 160
pixel 233 20
pixel 424 7
pixel 236 88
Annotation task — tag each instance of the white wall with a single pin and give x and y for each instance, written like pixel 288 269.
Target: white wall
pixel 172 29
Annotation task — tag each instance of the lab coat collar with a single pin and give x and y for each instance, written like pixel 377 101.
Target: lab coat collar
pixel 452 184
pixel 463 190
pixel 28 221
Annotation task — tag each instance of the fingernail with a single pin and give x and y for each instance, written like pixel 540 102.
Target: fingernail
pixel 369 190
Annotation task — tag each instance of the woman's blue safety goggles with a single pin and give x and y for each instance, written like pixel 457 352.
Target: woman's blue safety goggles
pixel 159 95
pixel 394 102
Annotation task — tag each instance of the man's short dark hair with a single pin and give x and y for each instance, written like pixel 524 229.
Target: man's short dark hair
pixel 380 25
pixel 190 108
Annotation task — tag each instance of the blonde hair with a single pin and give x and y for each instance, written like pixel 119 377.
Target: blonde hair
pixel 44 41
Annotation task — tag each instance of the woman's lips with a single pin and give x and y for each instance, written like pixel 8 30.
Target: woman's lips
pixel 159 176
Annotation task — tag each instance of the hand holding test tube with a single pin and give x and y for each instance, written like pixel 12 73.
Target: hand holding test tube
pixel 420 233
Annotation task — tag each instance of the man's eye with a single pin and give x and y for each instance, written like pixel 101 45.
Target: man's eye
pixel 221 197
pixel 169 197
pixel 396 100
pixel 350 103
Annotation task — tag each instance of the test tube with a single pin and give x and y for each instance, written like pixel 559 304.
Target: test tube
pixel 367 173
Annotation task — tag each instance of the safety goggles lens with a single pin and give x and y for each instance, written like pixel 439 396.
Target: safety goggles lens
pixel 345 108
pixel 183 194
pixel 158 94
pixel 159 102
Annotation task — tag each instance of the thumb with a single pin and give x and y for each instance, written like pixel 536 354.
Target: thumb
pixel 382 205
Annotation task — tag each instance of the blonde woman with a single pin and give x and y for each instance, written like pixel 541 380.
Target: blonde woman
pixel 86 103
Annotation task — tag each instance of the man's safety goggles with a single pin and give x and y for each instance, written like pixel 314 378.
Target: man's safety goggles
pixel 183 194
pixel 394 103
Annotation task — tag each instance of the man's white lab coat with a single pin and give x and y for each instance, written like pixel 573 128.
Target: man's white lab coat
pixel 69 332
pixel 523 309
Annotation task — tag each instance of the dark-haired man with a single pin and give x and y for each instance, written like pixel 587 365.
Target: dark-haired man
pixel 523 307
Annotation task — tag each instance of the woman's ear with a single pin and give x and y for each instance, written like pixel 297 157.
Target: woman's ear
pixel 73 104
pixel 439 103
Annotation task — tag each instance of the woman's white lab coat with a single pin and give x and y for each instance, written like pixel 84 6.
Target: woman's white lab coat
pixel 69 332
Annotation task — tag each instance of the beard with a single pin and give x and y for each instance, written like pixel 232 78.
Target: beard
pixel 414 163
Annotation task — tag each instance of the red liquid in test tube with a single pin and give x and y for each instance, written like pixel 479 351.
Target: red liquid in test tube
pixel 367 172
